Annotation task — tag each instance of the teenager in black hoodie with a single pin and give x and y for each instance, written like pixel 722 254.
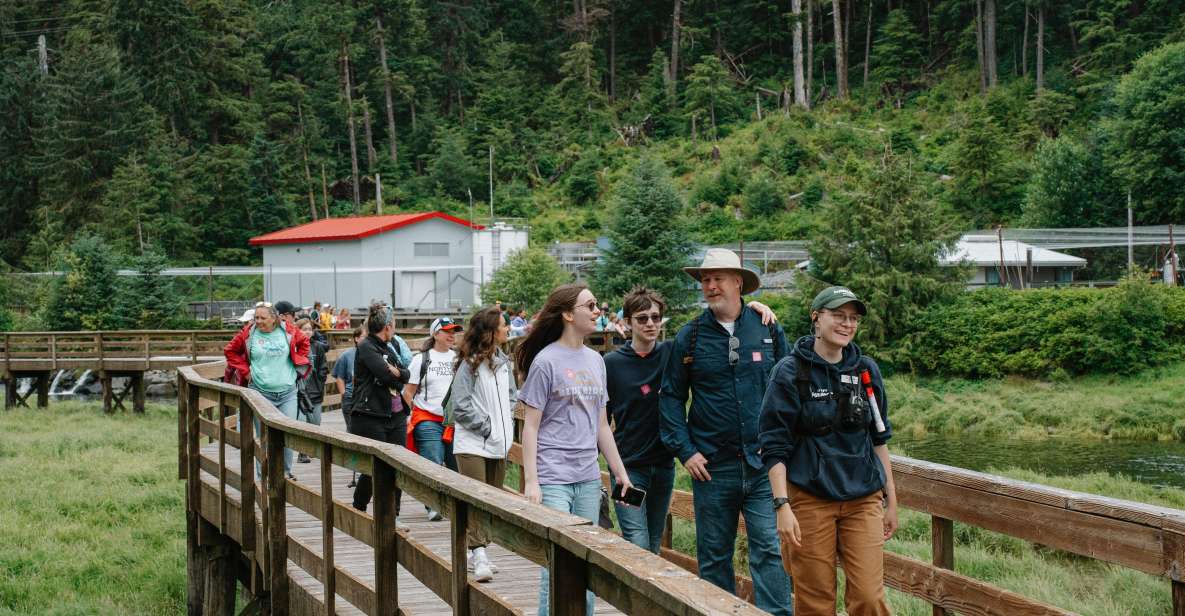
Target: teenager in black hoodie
pixel 634 374
pixel 824 429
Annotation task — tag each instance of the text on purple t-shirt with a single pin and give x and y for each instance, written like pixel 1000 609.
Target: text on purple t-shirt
pixel 568 386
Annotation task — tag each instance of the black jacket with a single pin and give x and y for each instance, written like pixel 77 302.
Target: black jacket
pixel 634 383
pixel 825 461
pixel 373 382
pixel 314 385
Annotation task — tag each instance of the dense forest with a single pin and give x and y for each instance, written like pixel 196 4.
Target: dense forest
pixel 187 126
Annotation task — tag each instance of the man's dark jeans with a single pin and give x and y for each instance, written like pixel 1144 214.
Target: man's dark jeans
pixel 738 488
pixel 391 429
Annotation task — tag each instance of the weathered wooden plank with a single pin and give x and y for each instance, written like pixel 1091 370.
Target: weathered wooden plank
pixel 568 582
pixel 959 593
pixel 386 554
pixel 327 547
pixel 351 588
pixel 276 515
pixel 459 523
pixel 942 549
pixel 357 524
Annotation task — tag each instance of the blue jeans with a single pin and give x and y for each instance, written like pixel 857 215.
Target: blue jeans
pixel 314 415
pixel 286 403
pixel 643 526
pixel 738 488
pixel 582 499
pixel 429 437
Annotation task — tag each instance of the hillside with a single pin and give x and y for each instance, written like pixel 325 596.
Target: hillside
pixel 188 129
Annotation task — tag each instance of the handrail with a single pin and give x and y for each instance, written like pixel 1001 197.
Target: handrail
pixel 1146 538
pixel 579 554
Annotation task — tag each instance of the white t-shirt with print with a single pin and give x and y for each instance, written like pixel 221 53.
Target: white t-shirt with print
pixel 439 376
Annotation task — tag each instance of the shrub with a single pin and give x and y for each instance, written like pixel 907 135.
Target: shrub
pixel 1043 332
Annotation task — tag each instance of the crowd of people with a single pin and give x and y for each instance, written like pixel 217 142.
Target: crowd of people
pixel 790 435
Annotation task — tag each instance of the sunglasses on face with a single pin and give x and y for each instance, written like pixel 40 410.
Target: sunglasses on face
pixel 643 319
pixel 263 304
pixel 591 305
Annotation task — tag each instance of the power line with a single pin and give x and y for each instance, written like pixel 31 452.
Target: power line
pixel 41 19
pixel 39 31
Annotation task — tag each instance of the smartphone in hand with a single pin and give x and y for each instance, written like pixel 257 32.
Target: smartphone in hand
pixel 633 497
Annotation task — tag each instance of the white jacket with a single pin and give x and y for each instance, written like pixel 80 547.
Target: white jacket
pixel 484 409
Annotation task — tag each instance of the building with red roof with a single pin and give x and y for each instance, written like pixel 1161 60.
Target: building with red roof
pixel 423 261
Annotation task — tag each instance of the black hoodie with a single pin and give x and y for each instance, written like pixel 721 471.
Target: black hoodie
pixel 634 382
pixel 838 465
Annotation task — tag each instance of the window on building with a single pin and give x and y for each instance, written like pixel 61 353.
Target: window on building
pixel 1065 274
pixel 431 249
pixel 992 276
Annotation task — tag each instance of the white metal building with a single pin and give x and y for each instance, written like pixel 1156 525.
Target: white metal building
pixel 491 246
pixel 425 261
pixel 986 253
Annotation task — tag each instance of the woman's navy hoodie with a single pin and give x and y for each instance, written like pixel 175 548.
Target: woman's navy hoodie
pixel 634 382
pixel 838 465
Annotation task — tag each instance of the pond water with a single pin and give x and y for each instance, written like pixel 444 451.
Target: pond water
pixel 1156 463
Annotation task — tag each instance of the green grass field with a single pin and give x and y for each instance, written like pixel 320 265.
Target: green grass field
pixel 1144 406
pixel 93 523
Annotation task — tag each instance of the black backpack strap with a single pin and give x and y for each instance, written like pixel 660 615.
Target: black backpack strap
pixel 689 355
pixel 802 378
pixel 424 361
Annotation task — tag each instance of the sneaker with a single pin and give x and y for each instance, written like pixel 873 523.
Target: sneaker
pixel 472 560
pixel 303 459
pixel 401 525
pixel 482 570
pixel 434 516
pixel 292 477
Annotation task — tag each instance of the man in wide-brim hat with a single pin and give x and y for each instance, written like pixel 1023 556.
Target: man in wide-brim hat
pixel 723 359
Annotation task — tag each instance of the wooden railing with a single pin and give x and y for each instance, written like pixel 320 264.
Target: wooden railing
pixel 579 555
pixel 1143 537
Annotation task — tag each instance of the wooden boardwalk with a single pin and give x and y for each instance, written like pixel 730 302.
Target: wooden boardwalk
pixel 516 583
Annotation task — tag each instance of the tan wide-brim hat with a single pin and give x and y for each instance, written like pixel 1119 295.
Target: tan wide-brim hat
pixel 724 259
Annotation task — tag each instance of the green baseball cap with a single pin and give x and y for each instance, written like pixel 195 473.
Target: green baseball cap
pixel 834 297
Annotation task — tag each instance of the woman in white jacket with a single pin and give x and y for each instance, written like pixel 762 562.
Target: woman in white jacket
pixel 483 397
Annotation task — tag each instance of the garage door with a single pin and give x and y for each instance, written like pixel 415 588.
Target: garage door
pixel 417 291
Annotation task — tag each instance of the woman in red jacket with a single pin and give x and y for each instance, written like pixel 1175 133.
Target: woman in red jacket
pixel 269 356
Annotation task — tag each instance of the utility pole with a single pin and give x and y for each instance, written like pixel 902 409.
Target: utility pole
pixel 1131 261
pixel 42 55
pixel 378 193
pixel 491 185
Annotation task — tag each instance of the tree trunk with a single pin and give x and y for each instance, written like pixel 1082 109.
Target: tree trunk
pixel 979 55
pixel 841 61
pixel 1024 46
pixel 371 155
pixel 1040 48
pixel 612 53
pixel 391 141
pixel 867 43
pixel 674 76
pixel 989 42
pixel 324 192
pixel 799 83
pixel 304 154
pixel 347 86
pixel 847 32
pixel 810 51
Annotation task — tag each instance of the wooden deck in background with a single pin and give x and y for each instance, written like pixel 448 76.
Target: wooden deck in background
pixel 517 580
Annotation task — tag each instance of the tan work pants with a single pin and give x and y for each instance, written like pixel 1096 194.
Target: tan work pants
pixel 487 470
pixel 851 529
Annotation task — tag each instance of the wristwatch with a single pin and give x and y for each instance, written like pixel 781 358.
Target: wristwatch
pixel 779 501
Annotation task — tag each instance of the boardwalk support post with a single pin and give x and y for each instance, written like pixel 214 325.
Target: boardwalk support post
pixel 460 527
pixel 569 581
pixel 942 537
pixel 1178 598
pixel 276 515
pixel 386 555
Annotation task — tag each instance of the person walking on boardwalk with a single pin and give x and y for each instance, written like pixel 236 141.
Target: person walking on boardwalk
pixel 343 319
pixel 377 409
pixel 566 422
pixel 634 374
pixel 312 389
pixel 483 395
pixel 431 375
pixel 343 373
pixel 723 357
pixel 824 429
pixel 269 356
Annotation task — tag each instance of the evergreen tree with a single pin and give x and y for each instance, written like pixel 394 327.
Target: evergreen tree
pixel 884 240
pixel 84 296
pixel 525 279
pixel 1147 149
pixel 897 55
pixel 986 186
pixel 649 242
pixel 451 171
pixel 268 207
pixel 148 299
pixel 1072 187
pixel 709 94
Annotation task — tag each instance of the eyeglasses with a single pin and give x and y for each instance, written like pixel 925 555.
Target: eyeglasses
pixel 734 344
pixel 843 318
pixel 263 304
pixel 643 319
pixel 591 305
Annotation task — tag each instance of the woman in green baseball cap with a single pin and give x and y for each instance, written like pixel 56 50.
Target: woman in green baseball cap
pixel 824 429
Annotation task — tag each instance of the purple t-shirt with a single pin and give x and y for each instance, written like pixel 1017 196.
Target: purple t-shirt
pixel 568 386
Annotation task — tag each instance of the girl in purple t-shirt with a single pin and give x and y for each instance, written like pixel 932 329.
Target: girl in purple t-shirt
pixel 564 399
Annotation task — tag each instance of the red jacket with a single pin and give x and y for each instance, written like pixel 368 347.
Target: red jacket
pixel 238 362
